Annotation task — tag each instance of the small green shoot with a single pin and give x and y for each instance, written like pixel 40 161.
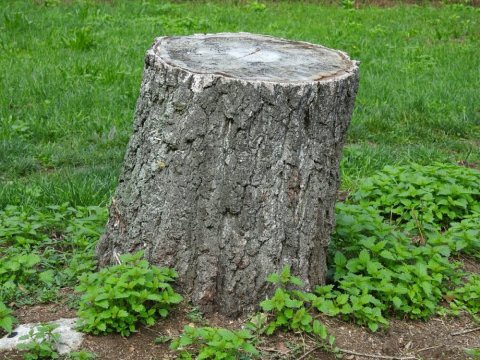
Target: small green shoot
pixel 291 310
pixel 42 345
pixel 6 318
pixel 81 355
pixel 214 343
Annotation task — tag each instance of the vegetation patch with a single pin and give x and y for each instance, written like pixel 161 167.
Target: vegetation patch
pixel 6 319
pixel 46 249
pixel 394 241
pixel 422 198
pixel 214 343
pixel 42 344
pixel 116 298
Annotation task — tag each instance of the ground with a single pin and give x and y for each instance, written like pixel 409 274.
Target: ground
pixel 439 338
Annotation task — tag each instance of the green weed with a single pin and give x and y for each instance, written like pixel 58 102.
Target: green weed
pixel 196 316
pixel 291 309
pixel 46 249
pixel 81 355
pixel 6 318
pixel 379 270
pixel 474 353
pixel 116 298
pixel 42 344
pixel 463 236
pixel 467 296
pixel 422 197
pixel 392 247
pixel 214 343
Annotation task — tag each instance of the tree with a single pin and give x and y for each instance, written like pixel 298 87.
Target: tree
pixel 232 169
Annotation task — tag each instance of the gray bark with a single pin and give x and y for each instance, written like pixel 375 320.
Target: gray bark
pixel 227 178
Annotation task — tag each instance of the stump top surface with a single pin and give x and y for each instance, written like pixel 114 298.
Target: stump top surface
pixel 253 57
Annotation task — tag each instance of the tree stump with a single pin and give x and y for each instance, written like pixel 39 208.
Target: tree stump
pixel 233 166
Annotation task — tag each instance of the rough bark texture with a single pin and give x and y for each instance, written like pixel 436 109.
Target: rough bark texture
pixel 227 180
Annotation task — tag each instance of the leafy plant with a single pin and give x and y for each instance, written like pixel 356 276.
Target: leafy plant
pixel 364 308
pixel 81 355
pixel 379 270
pixel 214 343
pixel 195 315
pixel 422 197
pixel 467 296
pixel 391 252
pixel 17 269
pixel 118 297
pixel 461 237
pixel 42 344
pixel 256 6
pixel 6 318
pixel 473 352
pixel 45 249
pixel 291 309
pixel 163 339
pixel 287 306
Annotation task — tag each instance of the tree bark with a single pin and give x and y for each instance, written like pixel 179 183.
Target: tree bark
pixel 233 166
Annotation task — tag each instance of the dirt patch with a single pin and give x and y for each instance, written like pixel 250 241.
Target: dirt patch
pixel 439 338
pixel 43 313
pixel 433 339
pixel 470 264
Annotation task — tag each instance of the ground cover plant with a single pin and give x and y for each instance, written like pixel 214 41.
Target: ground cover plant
pixel 401 234
pixel 41 344
pixel 46 249
pixel 6 319
pixel 118 297
pixel 388 259
pixel 215 343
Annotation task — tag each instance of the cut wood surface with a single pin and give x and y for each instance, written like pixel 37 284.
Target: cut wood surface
pixel 232 169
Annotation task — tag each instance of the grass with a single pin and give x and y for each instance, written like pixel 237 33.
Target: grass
pixel 71 73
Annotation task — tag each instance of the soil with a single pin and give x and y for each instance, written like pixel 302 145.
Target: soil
pixel 443 338
pixel 439 338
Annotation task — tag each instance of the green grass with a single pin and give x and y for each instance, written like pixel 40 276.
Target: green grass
pixel 71 73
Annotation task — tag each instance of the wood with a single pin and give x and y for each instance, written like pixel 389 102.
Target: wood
pixel 232 169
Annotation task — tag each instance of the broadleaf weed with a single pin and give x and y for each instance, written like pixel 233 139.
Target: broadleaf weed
pixel 214 343
pixel 116 298
pixel 43 343
pixel 45 249
pixel 387 260
pixel 6 318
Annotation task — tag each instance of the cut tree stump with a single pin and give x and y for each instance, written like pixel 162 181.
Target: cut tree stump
pixel 233 166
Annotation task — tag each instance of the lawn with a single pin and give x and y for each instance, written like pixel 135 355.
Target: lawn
pixel 69 79
pixel 71 74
